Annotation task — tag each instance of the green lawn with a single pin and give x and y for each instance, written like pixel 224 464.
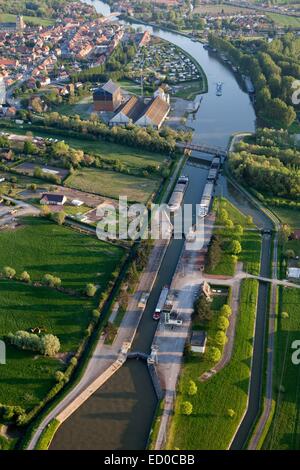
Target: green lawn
pixel 190 90
pixel 26 377
pixel 284 432
pixel 286 215
pixel 113 184
pixel 283 20
pixel 7 17
pixel 209 426
pixel 41 247
pixel 250 241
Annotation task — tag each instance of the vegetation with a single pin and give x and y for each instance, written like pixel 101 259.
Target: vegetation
pixel 233 239
pixel 284 430
pixel 210 426
pixel 272 69
pixel 46 437
pixel 112 184
pixel 269 165
pixel 40 245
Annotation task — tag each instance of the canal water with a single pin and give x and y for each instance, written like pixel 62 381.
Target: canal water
pixel 120 414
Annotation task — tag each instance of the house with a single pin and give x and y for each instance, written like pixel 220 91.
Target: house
pixel 198 341
pixel 155 114
pixel 108 97
pixel 53 199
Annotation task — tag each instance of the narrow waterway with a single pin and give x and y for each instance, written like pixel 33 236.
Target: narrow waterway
pixel 120 414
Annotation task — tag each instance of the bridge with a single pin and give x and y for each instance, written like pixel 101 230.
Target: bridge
pixel 202 148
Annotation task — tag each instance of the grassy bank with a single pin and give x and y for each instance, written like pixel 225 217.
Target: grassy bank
pixel 209 426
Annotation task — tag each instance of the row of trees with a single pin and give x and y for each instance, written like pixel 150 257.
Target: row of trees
pixel 47 345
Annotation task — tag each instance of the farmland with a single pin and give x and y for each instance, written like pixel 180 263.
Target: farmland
pixel 284 432
pixel 209 426
pixel 112 184
pixel 41 247
pixel 27 378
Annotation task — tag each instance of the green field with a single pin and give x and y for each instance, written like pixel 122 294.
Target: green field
pixel 209 426
pixel 284 433
pixel 41 247
pixel 113 184
pixel 286 215
pixel 250 241
pixel 26 378
pixel 190 90
pixel 283 20
pixel 7 17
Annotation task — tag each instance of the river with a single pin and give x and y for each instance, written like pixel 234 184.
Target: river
pixel 120 414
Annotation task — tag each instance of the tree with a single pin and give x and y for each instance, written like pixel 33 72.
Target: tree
pixel 289 254
pixel 221 338
pixel 192 388
pixel 59 376
pixel 91 290
pixel 229 224
pixel 235 247
pixel 223 216
pixel 214 354
pixel 238 230
pixel 52 281
pixel 202 309
pixel 9 272
pixel 29 148
pixel 231 413
pixel 25 276
pixel 222 323
pixel 50 345
pixel 59 217
pixel 249 220
pixel 226 310
pixel 187 408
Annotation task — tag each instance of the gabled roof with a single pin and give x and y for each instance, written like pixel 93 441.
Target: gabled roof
pixel 110 87
pixel 157 110
pixel 133 108
pixel 53 197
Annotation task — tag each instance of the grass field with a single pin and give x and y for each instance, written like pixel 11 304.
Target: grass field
pixel 7 17
pixel 287 215
pixel 190 90
pixel 283 20
pixel 26 378
pixel 250 241
pixel 41 247
pixel 113 184
pixel 209 426
pixel 133 158
pixel 285 429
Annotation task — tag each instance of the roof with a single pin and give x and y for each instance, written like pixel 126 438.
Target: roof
pixel 110 87
pixel 53 197
pixel 157 110
pixel 133 108
pixel 294 272
pixel 198 338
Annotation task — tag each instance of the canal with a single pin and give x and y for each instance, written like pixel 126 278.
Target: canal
pixel 120 414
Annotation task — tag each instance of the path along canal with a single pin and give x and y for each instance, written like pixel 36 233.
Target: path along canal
pixel 120 414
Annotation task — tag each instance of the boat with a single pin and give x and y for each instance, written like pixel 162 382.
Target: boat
pixel 219 89
pixel 161 302
pixel 178 193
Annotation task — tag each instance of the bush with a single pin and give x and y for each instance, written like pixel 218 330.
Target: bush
pixel 187 408
pixel 59 217
pixel 9 272
pixel 230 413
pixel 59 376
pixel 25 277
pixel 48 345
pixel 235 247
pixel 222 323
pixel 91 290
pixel 192 388
pixel 226 310
pixel 221 338
pixel 52 281
pixel 214 354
